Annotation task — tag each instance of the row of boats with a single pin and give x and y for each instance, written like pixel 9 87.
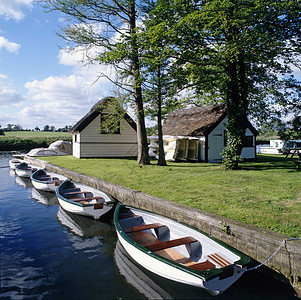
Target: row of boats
pixel 161 245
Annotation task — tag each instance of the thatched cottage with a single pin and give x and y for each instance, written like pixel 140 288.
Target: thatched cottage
pixel 93 137
pixel 199 134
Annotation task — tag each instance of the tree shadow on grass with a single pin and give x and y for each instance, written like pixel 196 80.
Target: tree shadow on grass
pixel 268 162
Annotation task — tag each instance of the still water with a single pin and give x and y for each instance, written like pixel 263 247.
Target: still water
pixel 47 253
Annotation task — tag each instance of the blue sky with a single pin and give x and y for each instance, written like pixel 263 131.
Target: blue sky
pixel 41 83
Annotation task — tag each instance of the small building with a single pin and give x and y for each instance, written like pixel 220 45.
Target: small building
pixel 199 134
pixel 94 135
pixel 275 147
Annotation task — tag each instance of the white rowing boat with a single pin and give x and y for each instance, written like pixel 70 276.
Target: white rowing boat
pixel 46 181
pixel 178 252
pixel 84 200
pixel 14 162
pixel 24 170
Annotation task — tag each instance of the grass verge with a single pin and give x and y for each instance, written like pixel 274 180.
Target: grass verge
pixel 266 193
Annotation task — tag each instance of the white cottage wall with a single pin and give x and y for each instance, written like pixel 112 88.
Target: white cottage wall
pixel 90 143
pixel 76 144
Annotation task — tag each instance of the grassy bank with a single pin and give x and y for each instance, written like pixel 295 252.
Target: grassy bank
pixel 27 140
pixel 266 194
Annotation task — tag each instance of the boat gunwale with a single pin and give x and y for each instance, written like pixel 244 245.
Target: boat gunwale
pixel 41 181
pixel 205 275
pixel 61 197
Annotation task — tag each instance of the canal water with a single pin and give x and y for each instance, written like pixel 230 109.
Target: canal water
pixel 47 253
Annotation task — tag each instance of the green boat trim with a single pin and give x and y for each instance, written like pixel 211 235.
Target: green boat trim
pixel 244 261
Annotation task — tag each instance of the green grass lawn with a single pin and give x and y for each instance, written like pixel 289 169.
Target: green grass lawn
pixel 266 193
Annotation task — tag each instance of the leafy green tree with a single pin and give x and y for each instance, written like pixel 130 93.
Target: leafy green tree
pixel 110 27
pixel 235 51
pixel 291 130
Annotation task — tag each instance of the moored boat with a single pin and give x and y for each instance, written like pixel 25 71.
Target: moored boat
pixel 46 181
pixel 24 170
pixel 178 252
pixel 14 162
pixel 84 200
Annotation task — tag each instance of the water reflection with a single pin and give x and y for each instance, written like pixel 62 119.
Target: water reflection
pixel 24 182
pixel 82 226
pixel 136 277
pixel 43 197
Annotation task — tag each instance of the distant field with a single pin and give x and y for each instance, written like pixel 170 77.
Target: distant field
pixel 26 134
pixel 27 140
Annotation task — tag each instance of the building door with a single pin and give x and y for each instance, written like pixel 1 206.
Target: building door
pixel 215 145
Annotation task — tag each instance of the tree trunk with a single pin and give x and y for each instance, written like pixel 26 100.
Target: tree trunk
pixel 236 98
pixel 143 157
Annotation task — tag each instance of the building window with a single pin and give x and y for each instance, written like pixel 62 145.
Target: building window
pixel 248 141
pixel 109 124
pixel 75 138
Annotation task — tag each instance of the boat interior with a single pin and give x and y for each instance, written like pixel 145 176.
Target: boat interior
pixel 43 176
pixel 185 250
pixel 75 194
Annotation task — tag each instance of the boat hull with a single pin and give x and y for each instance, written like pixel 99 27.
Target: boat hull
pixel 89 211
pixel 49 183
pixel 24 170
pixel 48 187
pixel 93 209
pixel 215 280
pixel 14 162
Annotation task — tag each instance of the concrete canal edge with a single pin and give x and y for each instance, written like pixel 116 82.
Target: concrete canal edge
pixel 257 243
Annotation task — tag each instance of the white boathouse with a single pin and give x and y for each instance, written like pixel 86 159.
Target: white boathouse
pixel 199 134
pixel 93 135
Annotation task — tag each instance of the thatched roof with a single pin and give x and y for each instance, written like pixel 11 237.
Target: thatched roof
pixel 94 112
pixel 194 121
pixel 197 121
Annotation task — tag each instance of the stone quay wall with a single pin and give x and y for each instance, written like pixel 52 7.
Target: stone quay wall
pixel 257 243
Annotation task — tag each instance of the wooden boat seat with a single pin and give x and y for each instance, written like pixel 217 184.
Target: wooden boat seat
pixel 76 192
pixel 143 227
pixel 202 266
pixel 58 182
pixel 144 238
pixel 219 260
pixel 47 178
pixel 43 177
pixel 85 199
pixel 171 243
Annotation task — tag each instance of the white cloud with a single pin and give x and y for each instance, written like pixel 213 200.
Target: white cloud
pixel 60 101
pixel 13 9
pixel 9 46
pixel 55 88
pixel 10 97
